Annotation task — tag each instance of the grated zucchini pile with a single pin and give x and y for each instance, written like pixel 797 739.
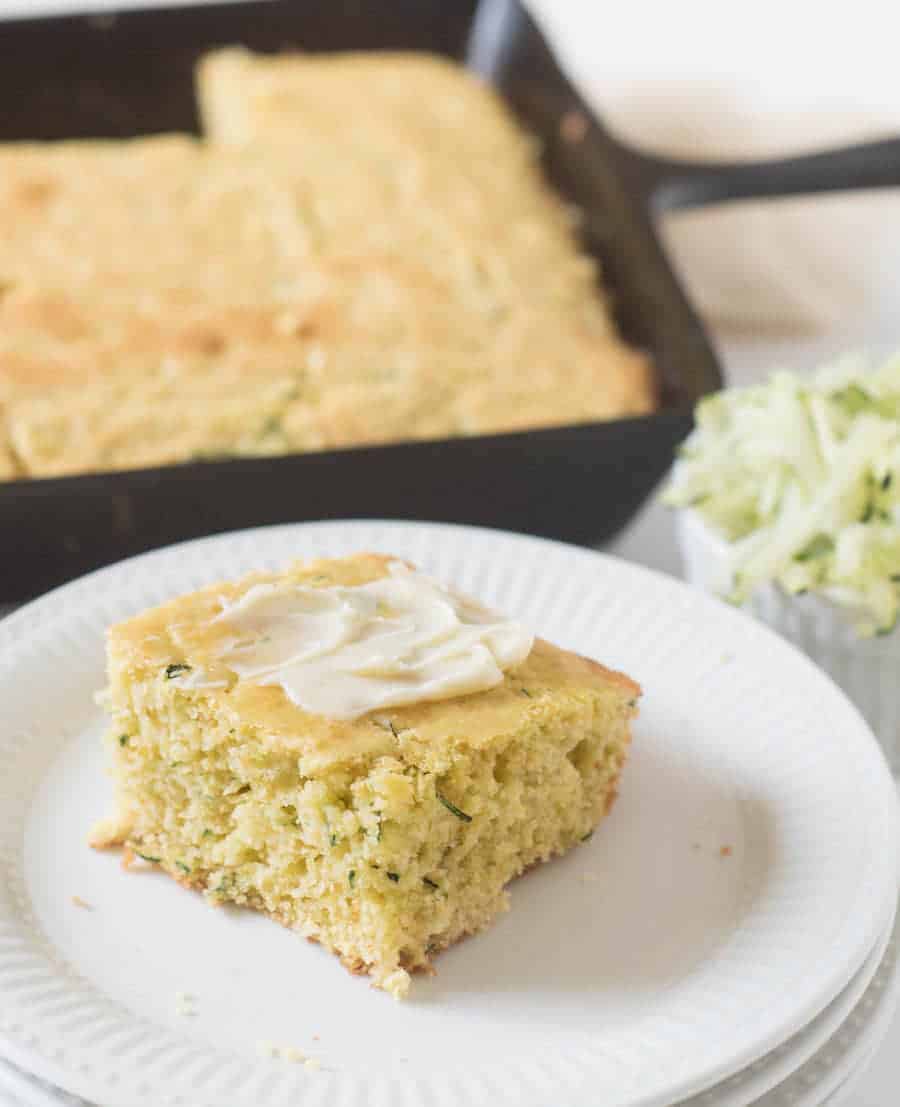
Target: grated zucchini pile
pixel 801 475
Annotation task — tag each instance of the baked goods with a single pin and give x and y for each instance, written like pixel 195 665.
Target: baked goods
pixel 385 834
pixel 442 182
pixel 373 227
pixel 133 220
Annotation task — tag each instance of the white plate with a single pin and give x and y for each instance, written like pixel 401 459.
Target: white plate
pixel 674 968
pixel 776 1068
pixel 819 1042
pixel 830 1076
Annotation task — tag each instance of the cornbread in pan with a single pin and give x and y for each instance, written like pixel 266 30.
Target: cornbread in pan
pixel 190 408
pixel 413 160
pixel 373 227
pixel 386 837
pixel 130 221
pixel 245 96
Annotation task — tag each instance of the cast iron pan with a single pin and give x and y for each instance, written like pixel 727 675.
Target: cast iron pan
pixel 131 74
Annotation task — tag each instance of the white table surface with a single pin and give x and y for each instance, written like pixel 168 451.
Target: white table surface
pixel 621 55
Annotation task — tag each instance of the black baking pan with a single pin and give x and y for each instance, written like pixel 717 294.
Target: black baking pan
pixel 131 73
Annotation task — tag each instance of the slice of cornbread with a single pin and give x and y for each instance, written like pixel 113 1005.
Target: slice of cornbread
pixel 385 837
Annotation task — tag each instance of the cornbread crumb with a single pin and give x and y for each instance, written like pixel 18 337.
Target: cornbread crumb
pixel 77 901
pixel 725 851
pixel 287 1053
pixel 396 983
pixel 109 832
pixel 385 843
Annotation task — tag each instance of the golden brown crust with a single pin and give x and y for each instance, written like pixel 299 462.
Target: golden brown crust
pixel 559 684
pixel 374 282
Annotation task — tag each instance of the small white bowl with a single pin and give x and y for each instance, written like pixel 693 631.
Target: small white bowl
pixel 867 669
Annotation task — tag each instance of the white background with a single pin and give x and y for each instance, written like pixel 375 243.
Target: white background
pixel 782 284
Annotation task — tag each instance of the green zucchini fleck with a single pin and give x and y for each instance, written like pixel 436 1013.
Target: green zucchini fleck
pixel 184 868
pixel 175 670
pixel 453 809
pixel 431 884
pixel 272 425
pixel 393 876
pixel 147 857
pixel 212 455
pixel 351 877
pixel 123 739
pixel 387 726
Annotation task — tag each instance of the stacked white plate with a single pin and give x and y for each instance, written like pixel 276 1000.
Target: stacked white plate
pixel 726 937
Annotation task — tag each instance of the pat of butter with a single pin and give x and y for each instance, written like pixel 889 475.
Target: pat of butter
pixel 344 651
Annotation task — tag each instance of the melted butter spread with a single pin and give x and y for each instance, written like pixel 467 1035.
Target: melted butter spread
pixel 344 651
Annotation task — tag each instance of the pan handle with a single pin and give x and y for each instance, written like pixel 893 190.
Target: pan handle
pixel 677 185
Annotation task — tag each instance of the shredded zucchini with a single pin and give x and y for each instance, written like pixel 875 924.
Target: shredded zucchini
pixel 798 475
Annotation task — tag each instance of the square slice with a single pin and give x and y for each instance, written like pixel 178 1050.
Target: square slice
pixel 386 836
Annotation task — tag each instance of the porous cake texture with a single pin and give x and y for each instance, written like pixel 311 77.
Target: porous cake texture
pixel 384 837
pixel 375 228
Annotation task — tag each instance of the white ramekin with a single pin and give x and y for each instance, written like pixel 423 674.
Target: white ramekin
pixel 866 668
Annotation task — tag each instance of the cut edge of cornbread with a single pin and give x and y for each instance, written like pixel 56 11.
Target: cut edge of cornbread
pixel 244 96
pixel 386 838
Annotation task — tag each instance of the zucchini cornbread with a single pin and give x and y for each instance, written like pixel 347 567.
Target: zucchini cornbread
pixel 361 249
pixel 250 764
